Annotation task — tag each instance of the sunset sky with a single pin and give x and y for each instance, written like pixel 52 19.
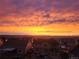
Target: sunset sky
pixel 39 17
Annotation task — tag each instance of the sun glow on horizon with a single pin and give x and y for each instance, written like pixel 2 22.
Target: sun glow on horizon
pixel 51 30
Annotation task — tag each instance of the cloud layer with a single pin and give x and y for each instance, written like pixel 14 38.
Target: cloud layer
pixel 37 12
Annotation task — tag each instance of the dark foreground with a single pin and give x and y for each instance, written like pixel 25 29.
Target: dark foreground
pixel 39 47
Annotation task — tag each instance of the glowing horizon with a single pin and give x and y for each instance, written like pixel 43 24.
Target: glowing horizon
pixel 46 17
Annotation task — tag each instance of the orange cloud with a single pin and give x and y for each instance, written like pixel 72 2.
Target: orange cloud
pixel 40 18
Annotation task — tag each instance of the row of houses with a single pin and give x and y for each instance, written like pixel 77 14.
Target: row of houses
pixel 32 47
